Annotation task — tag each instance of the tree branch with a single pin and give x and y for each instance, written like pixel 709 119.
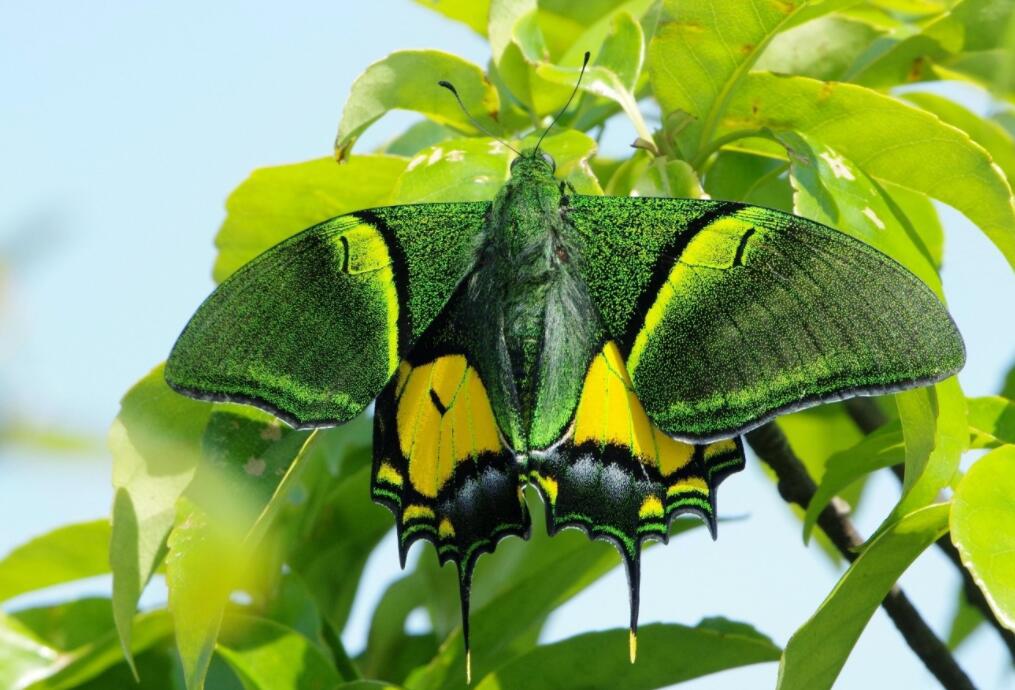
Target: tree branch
pixel 866 414
pixel 796 486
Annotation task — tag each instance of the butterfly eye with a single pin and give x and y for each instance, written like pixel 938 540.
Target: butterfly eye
pixel 548 159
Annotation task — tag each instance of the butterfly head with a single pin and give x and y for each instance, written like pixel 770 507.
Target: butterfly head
pixel 533 163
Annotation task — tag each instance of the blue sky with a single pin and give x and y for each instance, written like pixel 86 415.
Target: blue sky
pixel 123 125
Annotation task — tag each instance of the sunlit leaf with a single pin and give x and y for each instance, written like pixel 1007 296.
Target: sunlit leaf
pixel 988 134
pixel 407 80
pixel 825 48
pixel 888 140
pixel 668 654
pixel 156 447
pixel 269 656
pixel 818 650
pixel 965 620
pixel 883 448
pixel 991 421
pixel 66 554
pixel 274 203
pixel 473 13
pixel 833 190
pixel 702 52
pixel 983 529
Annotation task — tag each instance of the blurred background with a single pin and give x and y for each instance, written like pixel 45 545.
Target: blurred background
pixel 124 125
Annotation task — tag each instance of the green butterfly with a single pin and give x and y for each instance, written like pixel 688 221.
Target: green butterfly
pixel 609 351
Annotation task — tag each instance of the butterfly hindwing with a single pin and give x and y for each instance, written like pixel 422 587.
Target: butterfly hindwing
pixel 313 328
pixel 618 477
pixel 440 462
pixel 727 314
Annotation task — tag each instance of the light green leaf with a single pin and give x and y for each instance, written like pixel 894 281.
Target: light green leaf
pixel 922 216
pixel 23 656
pixel 818 650
pixel 269 656
pixel 825 48
pixel 473 13
pixel 883 448
pixel 983 529
pixel 89 660
pixel 833 190
pixel 614 73
pixel 932 453
pixel 888 140
pixel 703 51
pixel 417 137
pixel 69 624
pixel 155 442
pixel 476 169
pixel 517 45
pixel 66 554
pixel 991 421
pixel 407 80
pixel 589 26
pixel 668 654
pixel 202 567
pixel 274 203
pixel 988 134
pixel 368 685
pixel 250 461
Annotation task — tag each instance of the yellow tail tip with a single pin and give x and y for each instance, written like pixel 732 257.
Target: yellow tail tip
pixel 633 646
pixel 468 667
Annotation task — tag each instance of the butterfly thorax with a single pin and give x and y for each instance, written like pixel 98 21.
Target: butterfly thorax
pixel 527 288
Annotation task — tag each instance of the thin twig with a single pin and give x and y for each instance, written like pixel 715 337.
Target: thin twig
pixel 867 416
pixel 796 486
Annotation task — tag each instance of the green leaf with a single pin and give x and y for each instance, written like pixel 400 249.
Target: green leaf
pixel 753 179
pixel 66 554
pixel 368 685
pixel 966 619
pixel 268 656
pixel 883 448
pixel 274 203
pixel 988 134
pixel 668 654
pixel 407 80
pixel 825 48
pixel 250 462
pixel 833 190
pixel 417 137
pixel 476 169
pixel 70 624
pixel 202 567
pixel 983 529
pixel 155 442
pixel 517 45
pixel 703 51
pixel 473 13
pixel 936 433
pixel 567 565
pixel 817 651
pixel 991 421
pixel 890 141
pixel 614 73
pixel 104 652
pixel 23 656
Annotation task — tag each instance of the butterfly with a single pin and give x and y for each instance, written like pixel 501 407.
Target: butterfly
pixel 608 351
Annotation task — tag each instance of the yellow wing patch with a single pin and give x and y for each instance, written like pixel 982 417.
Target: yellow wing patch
pixel 719 245
pixel 361 250
pixel 609 412
pixel 443 416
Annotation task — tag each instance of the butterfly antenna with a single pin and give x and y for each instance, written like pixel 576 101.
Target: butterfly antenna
pixel 563 110
pixel 475 123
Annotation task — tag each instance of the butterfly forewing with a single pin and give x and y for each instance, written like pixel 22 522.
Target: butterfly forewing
pixel 729 314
